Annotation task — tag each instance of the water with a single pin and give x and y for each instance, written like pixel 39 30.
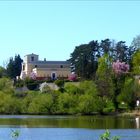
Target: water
pixel 68 127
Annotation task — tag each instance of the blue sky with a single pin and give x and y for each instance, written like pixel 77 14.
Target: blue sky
pixel 52 29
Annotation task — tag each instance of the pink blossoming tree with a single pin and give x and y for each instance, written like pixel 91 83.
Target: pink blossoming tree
pixel 33 75
pixel 120 67
pixel 72 77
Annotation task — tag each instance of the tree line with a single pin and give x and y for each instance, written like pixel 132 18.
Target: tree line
pixel 13 67
pixel 108 75
pixel 84 58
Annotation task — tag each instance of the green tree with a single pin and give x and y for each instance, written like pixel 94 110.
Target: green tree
pixel 130 92
pixel 84 59
pixel 89 104
pixel 41 104
pixel 14 66
pixel 67 103
pixel 6 85
pixel 104 77
pixel 121 51
pixel 72 89
pixel 2 72
pixel 136 43
pixel 136 62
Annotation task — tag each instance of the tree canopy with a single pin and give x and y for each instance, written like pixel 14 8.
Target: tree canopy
pixel 14 66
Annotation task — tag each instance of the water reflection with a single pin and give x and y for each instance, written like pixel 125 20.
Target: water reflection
pixel 92 122
pixel 68 127
pixel 137 122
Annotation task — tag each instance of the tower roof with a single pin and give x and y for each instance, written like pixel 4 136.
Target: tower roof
pixel 31 54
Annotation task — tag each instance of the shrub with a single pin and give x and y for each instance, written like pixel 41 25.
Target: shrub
pixel 31 84
pixel 67 103
pixel 6 85
pixel 107 136
pixel 89 104
pixel 41 104
pixel 72 89
pixel 59 83
pixel 109 107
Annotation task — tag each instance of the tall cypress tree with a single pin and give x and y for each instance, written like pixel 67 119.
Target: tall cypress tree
pixel 14 66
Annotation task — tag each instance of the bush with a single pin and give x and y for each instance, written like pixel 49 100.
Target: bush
pixel 129 93
pixel 19 83
pixel 67 104
pixel 31 84
pixel 88 87
pixel 59 83
pixel 6 85
pixel 11 105
pixel 72 89
pixel 41 104
pixel 89 104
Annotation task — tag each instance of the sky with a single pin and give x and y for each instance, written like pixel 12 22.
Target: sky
pixel 52 29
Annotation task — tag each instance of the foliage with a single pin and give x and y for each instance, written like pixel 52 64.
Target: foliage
pixel 107 136
pixel 72 77
pixel 120 67
pixel 129 93
pixel 109 107
pixel 89 104
pixel 88 87
pixel 72 89
pixel 2 72
pixel 15 134
pixel 31 83
pixel 59 83
pixel 6 85
pixel 14 66
pixel 81 97
pixel 19 83
pixel 67 104
pixel 41 104
pixel 85 57
pixel 104 77
pixel 136 62
pixel 136 42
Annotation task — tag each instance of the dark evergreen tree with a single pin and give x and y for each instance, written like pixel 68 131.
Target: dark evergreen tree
pixel 84 59
pixel 14 66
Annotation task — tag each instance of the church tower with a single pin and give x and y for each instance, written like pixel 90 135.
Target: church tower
pixel 28 64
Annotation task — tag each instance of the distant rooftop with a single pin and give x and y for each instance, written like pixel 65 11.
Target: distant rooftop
pixel 31 54
pixel 53 62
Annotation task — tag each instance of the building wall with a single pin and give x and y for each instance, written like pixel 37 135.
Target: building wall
pixel 44 68
pixel 48 72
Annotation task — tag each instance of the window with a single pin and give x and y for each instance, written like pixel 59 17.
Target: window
pixel 23 67
pixel 61 66
pixel 32 58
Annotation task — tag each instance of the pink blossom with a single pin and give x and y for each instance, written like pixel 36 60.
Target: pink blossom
pixel 120 67
pixel 33 75
pixel 72 77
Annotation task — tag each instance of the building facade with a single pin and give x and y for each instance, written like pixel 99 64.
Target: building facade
pixel 44 69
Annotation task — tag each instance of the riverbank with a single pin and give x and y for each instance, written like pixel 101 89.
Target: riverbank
pixel 130 113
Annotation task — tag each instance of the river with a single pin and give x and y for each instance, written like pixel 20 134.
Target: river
pixel 35 127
